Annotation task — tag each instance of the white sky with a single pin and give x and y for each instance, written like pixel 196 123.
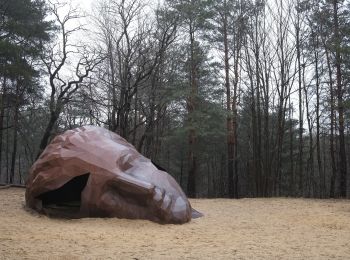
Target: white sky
pixel 83 4
pixel 87 8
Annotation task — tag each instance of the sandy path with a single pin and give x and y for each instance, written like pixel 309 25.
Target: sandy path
pixel 231 229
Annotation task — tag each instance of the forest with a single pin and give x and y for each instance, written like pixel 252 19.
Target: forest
pixel 234 98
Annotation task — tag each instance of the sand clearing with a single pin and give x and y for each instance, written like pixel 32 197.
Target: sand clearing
pixel 231 229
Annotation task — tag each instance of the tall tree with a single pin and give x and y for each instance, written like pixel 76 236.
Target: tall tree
pixel 192 16
pixel 227 30
pixel 340 93
pixel 21 42
pixel 298 40
pixel 56 59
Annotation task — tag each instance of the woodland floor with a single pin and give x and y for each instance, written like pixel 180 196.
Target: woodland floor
pixel 279 228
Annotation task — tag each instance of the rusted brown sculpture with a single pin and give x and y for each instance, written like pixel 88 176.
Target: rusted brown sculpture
pixel 92 172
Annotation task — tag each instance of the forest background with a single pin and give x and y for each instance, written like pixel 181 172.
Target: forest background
pixel 234 98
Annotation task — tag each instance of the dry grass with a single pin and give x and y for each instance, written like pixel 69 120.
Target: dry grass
pixel 231 229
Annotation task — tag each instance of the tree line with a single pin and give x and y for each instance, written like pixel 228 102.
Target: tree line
pixel 234 98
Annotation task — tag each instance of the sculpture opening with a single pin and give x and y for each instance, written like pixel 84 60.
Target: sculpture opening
pixel 66 200
pixel 92 172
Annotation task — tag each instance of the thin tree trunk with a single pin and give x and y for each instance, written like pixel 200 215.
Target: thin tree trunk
pixel 114 95
pixel 318 148
pixel 310 161
pixel 342 152
pixel 258 111
pixel 48 132
pixel 291 151
pixel 301 112
pixel 331 144
pixel 230 124
pixel 135 118
pixel 192 137
pixel 254 137
pixel 266 121
pixel 2 114
pixel 14 144
pixel 7 144
pixel 19 169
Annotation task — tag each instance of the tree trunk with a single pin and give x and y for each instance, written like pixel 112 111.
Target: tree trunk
pixel 342 152
pixel 301 112
pixel 113 126
pixel 310 161
pixel 135 118
pixel 2 114
pixel 48 131
pixel 192 137
pixel 14 144
pixel 331 139
pixel 229 124
pixel 291 151
pixel 258 110
pixel 318 148
pixel 7 144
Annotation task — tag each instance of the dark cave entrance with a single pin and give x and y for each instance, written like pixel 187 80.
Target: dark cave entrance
pixel 66 200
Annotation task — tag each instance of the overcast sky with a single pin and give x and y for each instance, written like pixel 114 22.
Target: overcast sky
pixel 83 4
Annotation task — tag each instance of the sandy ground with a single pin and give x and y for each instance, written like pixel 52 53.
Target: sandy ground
pixel 231 229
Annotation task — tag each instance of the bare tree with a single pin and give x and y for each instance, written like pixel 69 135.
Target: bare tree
pixel 57 61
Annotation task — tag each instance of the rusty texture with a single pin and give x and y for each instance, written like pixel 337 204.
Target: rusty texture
pixel 92 172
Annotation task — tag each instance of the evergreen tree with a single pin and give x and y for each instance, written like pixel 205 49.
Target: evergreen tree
pixel 193 16
pixel 23 32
